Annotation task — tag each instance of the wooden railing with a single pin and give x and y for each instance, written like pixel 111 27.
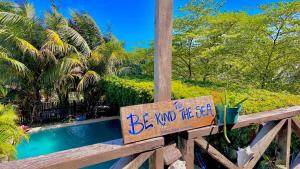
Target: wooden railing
pixel 279 122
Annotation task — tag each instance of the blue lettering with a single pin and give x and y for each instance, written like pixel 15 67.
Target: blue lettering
pixel 198 111
pixel 146 121
pixel 135 123
pixel 187 114
pixel 209 110
pixel 163 118
pixel 202 110
pixel 178 106
pixel 172 118
pixel 159 120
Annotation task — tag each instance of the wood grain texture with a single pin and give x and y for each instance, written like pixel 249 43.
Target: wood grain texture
pixel 163 50
pixel 284 144
pixel 145 121
pixel 296 126
pixel 188 149
pixel 122 162
pixel 214 153
pixel 139 160
pixel 246 120
pixel 85 156
pixel 262 140
pixel 171 154
pixel 157 159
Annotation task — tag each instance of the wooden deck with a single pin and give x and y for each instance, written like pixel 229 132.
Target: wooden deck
pixel 280 121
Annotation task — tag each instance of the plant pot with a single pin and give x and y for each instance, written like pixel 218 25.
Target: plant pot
pixel 232 114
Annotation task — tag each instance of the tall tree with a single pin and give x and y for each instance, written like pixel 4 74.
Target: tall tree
pixel 187 33
pixel 84 24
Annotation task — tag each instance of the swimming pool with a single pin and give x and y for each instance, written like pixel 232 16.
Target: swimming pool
pixel 63 138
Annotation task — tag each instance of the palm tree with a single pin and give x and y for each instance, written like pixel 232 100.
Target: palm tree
pixel 50 56
pixel 105 60
pixel 32 52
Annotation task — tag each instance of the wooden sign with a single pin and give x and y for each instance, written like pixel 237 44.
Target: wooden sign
pixel 145 121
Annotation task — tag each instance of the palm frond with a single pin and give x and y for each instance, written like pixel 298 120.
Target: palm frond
pixel 70 62
pixel 7 6
pixel 3 91
pixel 48 56
pixel 17 65
pixel 28 48
pixel 29 10
pixel 89 78
pixel 10 133
pixel 11 18
pixel 76 39
pixel 54 43
pixel 54 19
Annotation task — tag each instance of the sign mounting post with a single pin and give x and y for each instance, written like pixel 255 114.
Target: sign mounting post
pixel 163 50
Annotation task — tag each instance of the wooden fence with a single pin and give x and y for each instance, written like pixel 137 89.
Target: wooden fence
pixel 280 122
pixel 54 111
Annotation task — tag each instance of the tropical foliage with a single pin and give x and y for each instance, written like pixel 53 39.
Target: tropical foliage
pixel 44 59
pixel 261 50
pixel 10 133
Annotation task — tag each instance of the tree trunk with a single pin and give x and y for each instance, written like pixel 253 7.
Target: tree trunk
pixel 36 103
pixel 204 79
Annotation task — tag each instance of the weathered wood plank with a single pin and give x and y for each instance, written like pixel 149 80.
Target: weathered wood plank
pixel 171 154
pixel 145 121
pixel 139 160
pixel 214 153
pixel 296 162
pixel 122 162
pixel 246 120
pixel 85 156
pixel 296 126
pixel 163 50
pixel 284 144
pixel 157 159
pixel 187 150
pixel 262 140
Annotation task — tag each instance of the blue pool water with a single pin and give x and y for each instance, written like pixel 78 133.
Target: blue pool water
pixel 58 139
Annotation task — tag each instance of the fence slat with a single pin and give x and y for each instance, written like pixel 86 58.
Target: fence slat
pixel 157 159
pixel 296 126
pixel 85 156
pixel 262 141
pixel 187 149
pixel 246 120
pixel 122 162
pixel 215 153
pixel 139 160
pixel 284 143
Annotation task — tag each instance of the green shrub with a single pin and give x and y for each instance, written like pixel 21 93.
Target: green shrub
pixel 124 91
pixel 131 91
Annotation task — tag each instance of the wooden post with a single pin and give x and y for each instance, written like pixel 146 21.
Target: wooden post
pixel 163 50
pixel 187 150
pixel 284 143
pixel 162 62
pixel 156 161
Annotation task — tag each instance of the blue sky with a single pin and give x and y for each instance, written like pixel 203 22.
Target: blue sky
pixel 132 21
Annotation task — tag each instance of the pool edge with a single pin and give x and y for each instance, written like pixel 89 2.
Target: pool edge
pixel 37 129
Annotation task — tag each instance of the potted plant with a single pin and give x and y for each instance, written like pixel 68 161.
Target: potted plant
pixel 228 111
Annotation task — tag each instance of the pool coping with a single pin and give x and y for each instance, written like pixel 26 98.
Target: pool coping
pixel 37 129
